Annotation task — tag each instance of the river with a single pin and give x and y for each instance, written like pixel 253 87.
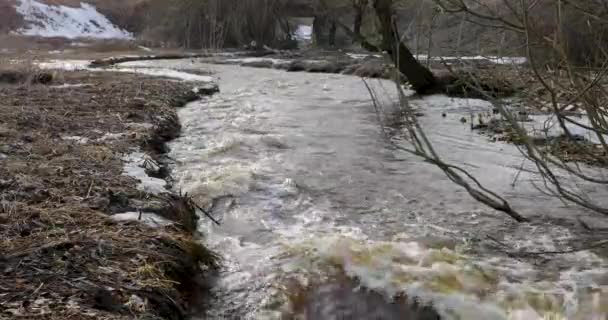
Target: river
pixel 312 199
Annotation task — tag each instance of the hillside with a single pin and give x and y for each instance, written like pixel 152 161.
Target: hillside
pixel 63 18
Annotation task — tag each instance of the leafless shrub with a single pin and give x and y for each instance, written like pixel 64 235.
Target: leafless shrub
pixel 8 207
pixel 565 77
pixel 23 72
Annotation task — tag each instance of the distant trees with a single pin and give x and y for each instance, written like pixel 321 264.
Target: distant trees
pixel 216 23
pixel 360 7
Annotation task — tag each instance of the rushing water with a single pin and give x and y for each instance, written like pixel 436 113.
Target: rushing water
pixel 310 194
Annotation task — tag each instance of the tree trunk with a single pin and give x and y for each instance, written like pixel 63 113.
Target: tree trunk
pixel 421 78
pixel 360 6
pixel 318 31
pixel 332 33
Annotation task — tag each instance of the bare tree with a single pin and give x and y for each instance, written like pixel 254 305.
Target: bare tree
pixel 360 7
pixel 215 23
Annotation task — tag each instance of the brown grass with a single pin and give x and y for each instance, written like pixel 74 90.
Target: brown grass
pixel 23 73
pixel 61 255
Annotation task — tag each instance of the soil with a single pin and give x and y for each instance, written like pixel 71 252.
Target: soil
pixel 61 180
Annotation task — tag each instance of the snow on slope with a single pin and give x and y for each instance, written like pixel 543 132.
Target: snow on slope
pixel 61 21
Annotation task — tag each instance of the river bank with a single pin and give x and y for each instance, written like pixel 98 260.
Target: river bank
pixel 91 228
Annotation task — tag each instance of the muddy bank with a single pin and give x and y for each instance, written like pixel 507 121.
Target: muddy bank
pixel 106 62
pixel 471 77
pixel 90 227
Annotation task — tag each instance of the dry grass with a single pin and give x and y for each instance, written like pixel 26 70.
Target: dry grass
pixel 62 257
pixel 23 72
pixel 20 45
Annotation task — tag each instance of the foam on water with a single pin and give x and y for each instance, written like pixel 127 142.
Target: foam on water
pixel 458 285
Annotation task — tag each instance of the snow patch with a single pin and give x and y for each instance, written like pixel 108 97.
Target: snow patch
pixel 112 136
pixel 275 62
pixel 77 139
pixel 362 56
pixel 168 73
pixel 149 219
pixel 72 85
pixel 303 33
pixel 144 48
pixel 141 68
pixel 548 126
pixel 493 59
pixel 134 167
pixel 67 65
pixel 60 21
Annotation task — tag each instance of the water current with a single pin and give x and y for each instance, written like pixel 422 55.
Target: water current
pixel 312 200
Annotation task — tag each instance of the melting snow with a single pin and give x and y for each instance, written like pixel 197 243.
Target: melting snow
pixel 71 85
pixel 67 65
pixel 303 33
pixel 493 59
pixel 113 136
pixel 141 68
pixel 77 139
pixel 134 168
pixel 184 76
pixel 150 219
pixel 60 21
pixel 361 56
pixel 275 62
pixel 548 125
pixel 144 48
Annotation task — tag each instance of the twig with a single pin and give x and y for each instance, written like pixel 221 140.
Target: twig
pixel 90 188
pixel 37 289
pixel 584 224
pixel 521 168
pixel 206 213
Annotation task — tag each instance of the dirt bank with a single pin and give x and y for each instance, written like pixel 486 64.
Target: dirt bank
pixel 83 232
